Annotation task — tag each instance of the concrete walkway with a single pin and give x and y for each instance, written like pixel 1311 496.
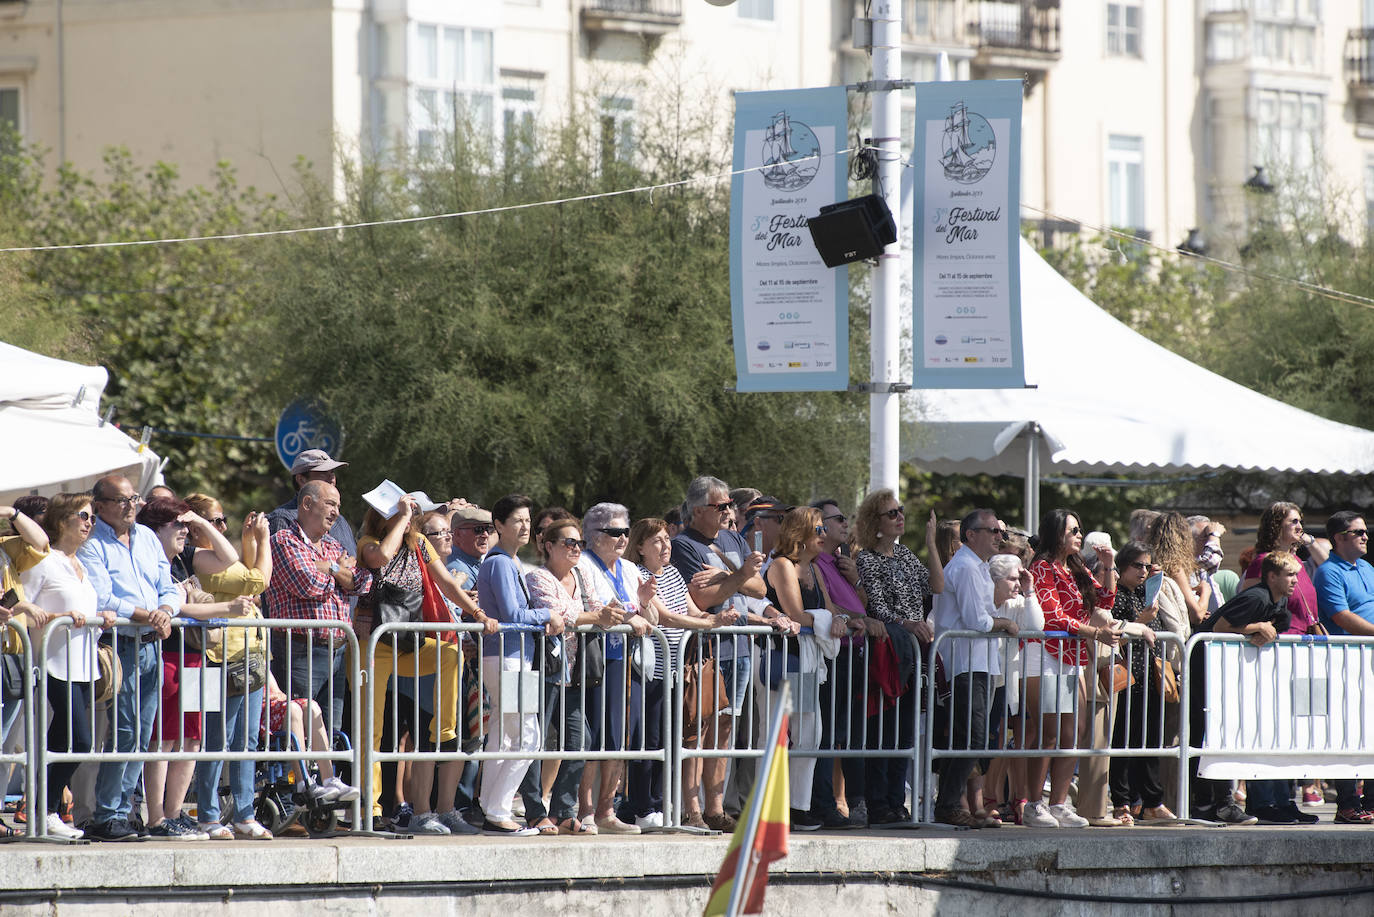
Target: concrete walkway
pixel 930 870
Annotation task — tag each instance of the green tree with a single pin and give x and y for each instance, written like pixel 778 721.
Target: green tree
pixel 176 325
pixel 576 352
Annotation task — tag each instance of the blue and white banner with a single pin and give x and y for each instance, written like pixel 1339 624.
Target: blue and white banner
pixel 790 311
pixel 966 224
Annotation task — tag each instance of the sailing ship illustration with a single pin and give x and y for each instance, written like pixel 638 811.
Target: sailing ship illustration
pixel 968 145
pixel 790 154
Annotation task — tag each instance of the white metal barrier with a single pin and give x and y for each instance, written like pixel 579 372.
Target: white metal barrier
pixel 1020 676
pixel 203 689
pixel 526 691
pixel 1299 707
pixel 845 710
pixel 18 712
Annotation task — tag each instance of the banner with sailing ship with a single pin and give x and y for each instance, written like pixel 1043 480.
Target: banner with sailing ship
pixel 966 219
pixel 790 311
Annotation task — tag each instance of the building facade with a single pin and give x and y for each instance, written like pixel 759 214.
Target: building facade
pixel 1143 115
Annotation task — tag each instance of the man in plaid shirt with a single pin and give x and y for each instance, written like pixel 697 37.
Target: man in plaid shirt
pixel 312 577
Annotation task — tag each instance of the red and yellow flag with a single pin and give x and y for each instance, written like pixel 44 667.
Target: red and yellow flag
pixel 759 839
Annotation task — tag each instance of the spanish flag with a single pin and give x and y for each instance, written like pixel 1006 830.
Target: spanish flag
pixel 762 837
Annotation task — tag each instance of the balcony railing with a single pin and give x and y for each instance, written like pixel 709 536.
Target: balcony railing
pixel 632 8
pixel 1017 25
pixel 1359 59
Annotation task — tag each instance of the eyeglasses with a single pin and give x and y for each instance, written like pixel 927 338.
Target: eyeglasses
pixel 122 501
pixel 722 507
pixel 1075 531
pixel 615 533
pixel 443 534
pixel 219 520
pixel 840 516
pixel 893 513
pixel 84 515
pixel 478 530
pixel 1356 533
pixel 572 544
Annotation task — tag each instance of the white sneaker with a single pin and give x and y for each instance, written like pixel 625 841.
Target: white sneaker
pixel 652 820
pixel 1037 815
pixel 324 794
pixel 345 793
pixel 1067 817
pixel 58 828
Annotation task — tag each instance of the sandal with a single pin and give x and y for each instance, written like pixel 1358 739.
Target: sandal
pixel 1160 812
pixel 1123 814
pixel 545 827
pixel 217 831
pixel 986 819
pixel 573 826
pixel 8 832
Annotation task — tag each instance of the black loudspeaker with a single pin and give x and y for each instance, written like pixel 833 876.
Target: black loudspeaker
pixel 853 230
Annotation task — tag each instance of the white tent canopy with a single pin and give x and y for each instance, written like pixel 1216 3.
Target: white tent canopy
pixel 1108 400
pixel 53 440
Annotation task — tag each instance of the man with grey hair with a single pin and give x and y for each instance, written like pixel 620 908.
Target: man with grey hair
pixel 722 575
pixel 967 604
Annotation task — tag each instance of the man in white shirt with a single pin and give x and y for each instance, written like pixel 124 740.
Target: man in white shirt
pixel 966 604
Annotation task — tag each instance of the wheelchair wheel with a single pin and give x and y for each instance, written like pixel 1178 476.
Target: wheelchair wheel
pixel 268 813
pixel 322 821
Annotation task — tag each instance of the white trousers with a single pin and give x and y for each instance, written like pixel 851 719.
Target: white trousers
pixel 513 731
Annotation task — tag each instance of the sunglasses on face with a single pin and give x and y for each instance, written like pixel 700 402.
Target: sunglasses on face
pixel 84 515
pixel 820 529
pixel 1139 565
pixel 219 520
pixel 478 530
pixel 721 507
pixel 615 533
pixel 1356 533
pixel 441 534
pixel 572 544
pixel 1075 531
pixel 893 513
pixel 123 501
pixel 838 516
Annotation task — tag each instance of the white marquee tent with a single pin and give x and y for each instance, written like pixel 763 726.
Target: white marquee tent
pixel 1108 400
pixel 51 437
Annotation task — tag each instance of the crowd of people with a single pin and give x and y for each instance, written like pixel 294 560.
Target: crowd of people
pixel 578 626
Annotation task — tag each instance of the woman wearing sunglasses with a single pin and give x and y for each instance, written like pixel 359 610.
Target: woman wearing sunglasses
pixel 628 695
pixel 58 585
pixel 898 590
pixel 1067 593
pixel 558 586
pixel 795 588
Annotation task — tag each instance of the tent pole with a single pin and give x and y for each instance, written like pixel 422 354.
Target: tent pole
pixel 1032 500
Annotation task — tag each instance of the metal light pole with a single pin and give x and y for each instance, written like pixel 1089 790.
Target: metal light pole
pixel 885 328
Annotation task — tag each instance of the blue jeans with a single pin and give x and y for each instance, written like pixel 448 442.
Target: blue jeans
pixel 134 712
pixel 313 666
pixel 237 715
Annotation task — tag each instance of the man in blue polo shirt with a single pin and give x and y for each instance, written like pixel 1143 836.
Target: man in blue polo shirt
pixel 132 578
pixel 1345 601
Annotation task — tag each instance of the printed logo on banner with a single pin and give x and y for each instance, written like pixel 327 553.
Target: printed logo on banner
pixel 970 145
pixel 791 154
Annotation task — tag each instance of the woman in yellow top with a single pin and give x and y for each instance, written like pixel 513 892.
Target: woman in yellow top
pixel 394 550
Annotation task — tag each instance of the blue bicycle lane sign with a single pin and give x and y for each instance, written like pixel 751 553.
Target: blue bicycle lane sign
pixel 304 425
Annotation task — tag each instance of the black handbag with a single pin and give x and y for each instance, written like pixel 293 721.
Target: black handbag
pixel 12 674
pixel 590 665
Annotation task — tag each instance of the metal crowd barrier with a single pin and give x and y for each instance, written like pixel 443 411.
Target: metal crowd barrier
pixel 980 648
pixel 1298 707
pixel 531 690
pixel 892 732
pixel 24 718
pixel 203 688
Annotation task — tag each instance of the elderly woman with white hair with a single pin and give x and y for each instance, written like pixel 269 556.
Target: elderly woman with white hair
pixel 617 583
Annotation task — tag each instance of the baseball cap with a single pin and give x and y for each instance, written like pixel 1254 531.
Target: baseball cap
pixel 314 460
